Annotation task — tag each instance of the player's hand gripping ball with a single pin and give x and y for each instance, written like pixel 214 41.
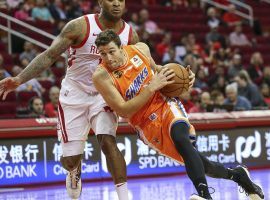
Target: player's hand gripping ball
pixel 181 81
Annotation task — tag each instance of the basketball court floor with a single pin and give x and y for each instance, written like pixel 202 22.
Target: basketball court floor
pixel 165 188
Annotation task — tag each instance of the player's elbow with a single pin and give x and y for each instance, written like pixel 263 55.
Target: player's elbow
pixel 126 114
pixel 48 57
pixel 123 111
pixel 123 115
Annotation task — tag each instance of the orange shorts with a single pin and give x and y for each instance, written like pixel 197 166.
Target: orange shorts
pixel 155 130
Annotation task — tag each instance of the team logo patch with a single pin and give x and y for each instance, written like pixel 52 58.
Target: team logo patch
pixel 153 117
pixel 117 74
pixel 136 61
pixel 66 93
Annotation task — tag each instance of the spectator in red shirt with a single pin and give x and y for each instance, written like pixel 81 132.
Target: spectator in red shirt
pixel 194 47
pixel 22 13
pixel 51 107
pixel 201 106
pixel 164 45
pixel 230 18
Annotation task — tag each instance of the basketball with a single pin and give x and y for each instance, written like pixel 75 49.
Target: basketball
pixel 181 79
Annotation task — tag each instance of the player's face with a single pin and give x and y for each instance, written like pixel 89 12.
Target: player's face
pixel 112 55
pixel 112 9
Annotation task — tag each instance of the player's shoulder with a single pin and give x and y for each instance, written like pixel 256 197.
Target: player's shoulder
pixel 76 30
pixel 141 46
pixel 134 35
pixel 74 26
pixel 79 22
pixel 100 73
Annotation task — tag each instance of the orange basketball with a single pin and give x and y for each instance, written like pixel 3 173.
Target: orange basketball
pixel 181 79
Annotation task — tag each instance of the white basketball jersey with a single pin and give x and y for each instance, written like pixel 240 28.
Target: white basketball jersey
pixel 84 58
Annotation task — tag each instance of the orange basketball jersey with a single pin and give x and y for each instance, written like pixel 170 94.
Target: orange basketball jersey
pixel 130 79
pixel 153 121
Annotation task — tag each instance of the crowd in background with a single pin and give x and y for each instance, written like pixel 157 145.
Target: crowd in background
pixel 223 81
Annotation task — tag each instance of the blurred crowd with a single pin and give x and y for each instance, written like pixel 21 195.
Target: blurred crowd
pixel 223 82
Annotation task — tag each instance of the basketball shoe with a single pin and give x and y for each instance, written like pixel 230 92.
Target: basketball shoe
pixel 204 194
pixel 242 178
pixel 74 183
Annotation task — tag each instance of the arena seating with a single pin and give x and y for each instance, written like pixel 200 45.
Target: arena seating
pixel 178 21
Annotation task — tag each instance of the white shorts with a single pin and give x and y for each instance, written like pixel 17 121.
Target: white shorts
pixel 72 148
pixel 79 111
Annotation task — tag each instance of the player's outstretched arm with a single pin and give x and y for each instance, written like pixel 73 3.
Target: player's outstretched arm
pixel 44 60
pixel 113 98
pixel 69 36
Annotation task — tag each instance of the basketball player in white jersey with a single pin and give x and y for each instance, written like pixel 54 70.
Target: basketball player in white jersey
pixel 81 107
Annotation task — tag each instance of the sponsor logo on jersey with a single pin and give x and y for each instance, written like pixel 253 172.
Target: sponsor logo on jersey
pixel 127 69
pixel 136 61
pixel 153 117
pixel 137 84
pixel 117 74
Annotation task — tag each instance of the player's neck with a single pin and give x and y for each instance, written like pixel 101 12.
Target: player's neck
pixel 110 24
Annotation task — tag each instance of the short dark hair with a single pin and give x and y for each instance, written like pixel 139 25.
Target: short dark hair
pixel 107 36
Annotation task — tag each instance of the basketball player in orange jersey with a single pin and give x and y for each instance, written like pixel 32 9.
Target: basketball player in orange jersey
pixel 126 82
pixel 81 107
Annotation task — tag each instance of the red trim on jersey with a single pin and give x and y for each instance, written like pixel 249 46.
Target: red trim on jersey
pixel 130 35
pixel 60 124
pixel 87 33
pixel 123 27
pixel 63 126
pixel 71 57
pixel 99 25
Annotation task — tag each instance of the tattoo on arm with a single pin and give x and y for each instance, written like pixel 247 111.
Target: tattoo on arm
pixel 67 37
pixel 135 38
